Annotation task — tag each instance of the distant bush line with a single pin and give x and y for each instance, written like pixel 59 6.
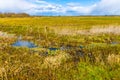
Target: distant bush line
pixel 4 15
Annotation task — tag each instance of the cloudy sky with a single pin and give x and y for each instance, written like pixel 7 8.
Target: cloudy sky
pixel 62 7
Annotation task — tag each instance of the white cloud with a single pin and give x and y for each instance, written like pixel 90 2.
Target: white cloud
pixel 110 7
pixel 80 9
pixel 48 7
pixel 41 6
pixel 14 5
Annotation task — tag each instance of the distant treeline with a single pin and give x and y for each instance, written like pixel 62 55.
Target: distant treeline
pixel 3 15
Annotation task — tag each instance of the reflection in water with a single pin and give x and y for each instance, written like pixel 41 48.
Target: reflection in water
pixel 24 44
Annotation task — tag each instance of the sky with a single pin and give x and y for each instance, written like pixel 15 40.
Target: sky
pixel 61 7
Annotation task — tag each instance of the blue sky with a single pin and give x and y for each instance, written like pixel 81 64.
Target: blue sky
pixel 82 2
pixel 62 7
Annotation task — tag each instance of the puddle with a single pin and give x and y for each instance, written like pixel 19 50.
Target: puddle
pixel 71 47
pixel 53 49
pixel 81 46
pixel 24 44
pixel 114 43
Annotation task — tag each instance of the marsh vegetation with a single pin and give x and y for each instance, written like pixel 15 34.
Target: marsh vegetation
pixel 68 48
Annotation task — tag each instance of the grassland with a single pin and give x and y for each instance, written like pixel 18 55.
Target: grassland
pixel 88 48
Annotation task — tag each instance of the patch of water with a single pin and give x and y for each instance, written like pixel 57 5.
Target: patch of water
pixel 114 43
pixel 24 44
pixel 53 49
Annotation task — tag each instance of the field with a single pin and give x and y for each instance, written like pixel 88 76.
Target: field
pixel 68 48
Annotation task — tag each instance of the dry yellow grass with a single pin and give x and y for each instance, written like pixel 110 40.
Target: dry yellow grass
pixel 94 30
pixel 56 61
pixel 109 29
pixel 3 73
pixel 6 35
pixel 112 58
